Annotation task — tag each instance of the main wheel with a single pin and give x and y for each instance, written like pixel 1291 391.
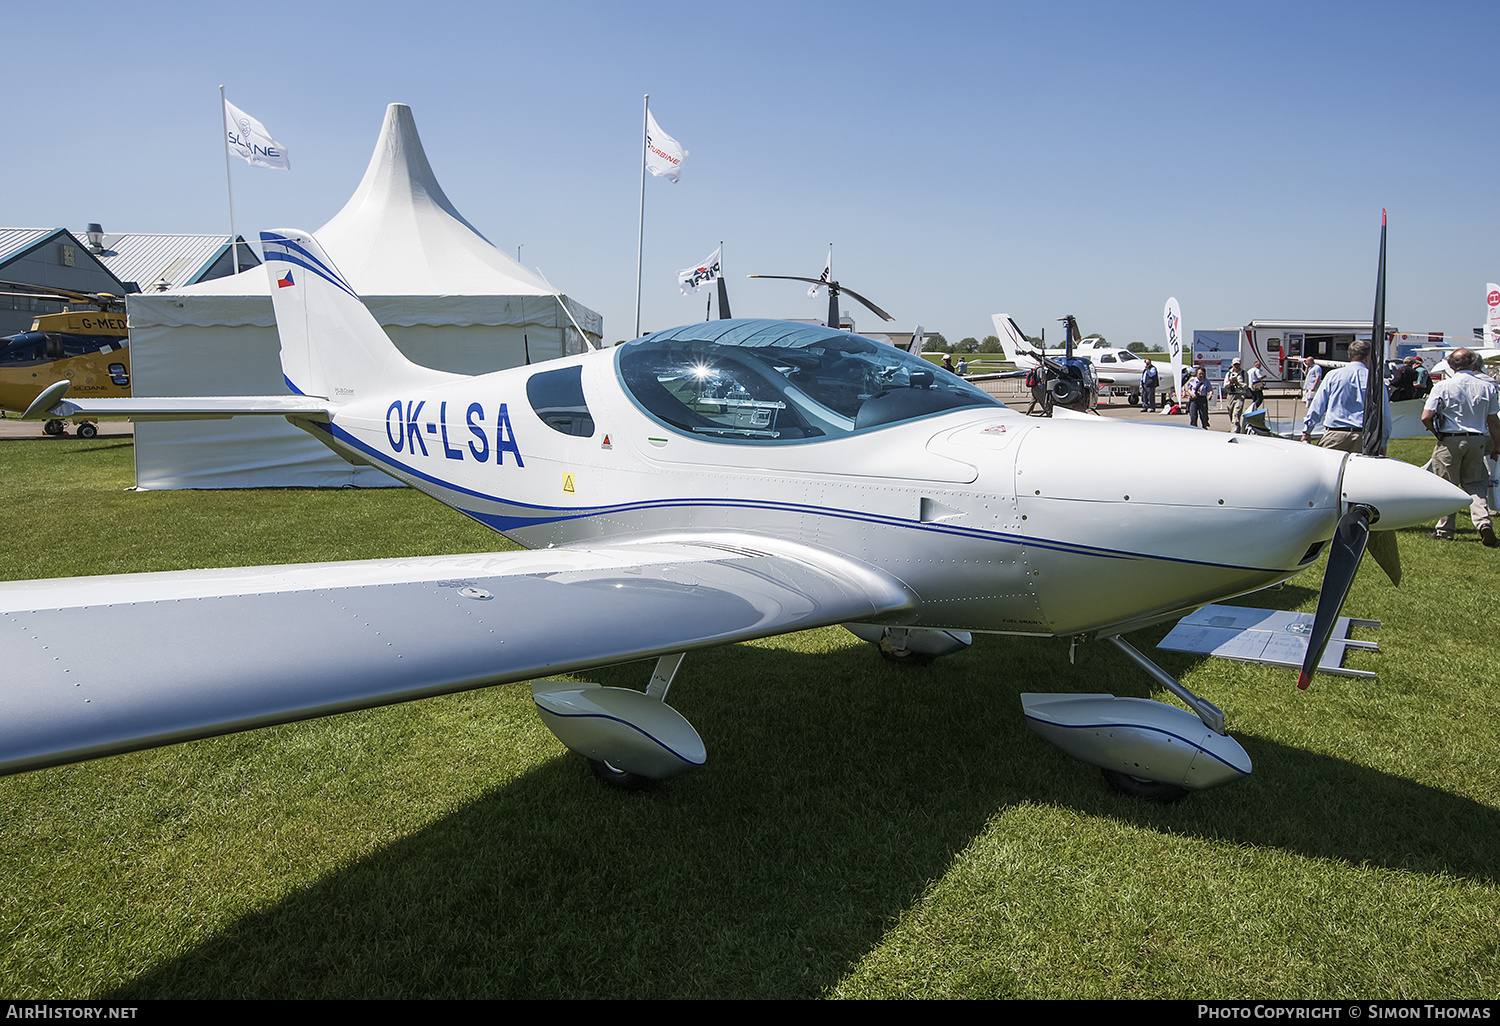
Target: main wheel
pixel 906 657
pixel 1149 790
pixel 620 780
pixel 1135 398
pixel 87 430
pixel 52 427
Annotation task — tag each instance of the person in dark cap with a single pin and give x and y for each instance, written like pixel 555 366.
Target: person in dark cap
pixel 1234 392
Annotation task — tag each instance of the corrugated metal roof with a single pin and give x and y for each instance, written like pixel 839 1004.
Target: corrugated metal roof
pixel 16 240
pixel 149 260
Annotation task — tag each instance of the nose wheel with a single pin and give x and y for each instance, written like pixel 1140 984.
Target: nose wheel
pixel 1158 791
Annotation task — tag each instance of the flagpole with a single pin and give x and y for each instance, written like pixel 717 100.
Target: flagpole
pixel 228 182
pixel 640 233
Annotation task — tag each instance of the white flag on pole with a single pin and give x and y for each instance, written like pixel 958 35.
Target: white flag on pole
pixel 689 279
pixel 249 140
pixel 812 293
pixel 664 155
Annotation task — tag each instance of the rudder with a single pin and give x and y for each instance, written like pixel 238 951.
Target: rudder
pixel 331 345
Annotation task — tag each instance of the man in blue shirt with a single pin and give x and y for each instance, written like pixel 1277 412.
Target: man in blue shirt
pixel 1339 405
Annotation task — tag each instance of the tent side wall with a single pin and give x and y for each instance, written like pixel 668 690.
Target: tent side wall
pixel 171 355
pixel 182 344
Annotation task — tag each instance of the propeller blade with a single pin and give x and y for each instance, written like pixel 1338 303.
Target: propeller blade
pixel 1370 437
pixel 1383 550
pixel 1344 554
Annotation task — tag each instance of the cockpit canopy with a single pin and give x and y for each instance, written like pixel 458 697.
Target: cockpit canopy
pixel 770 382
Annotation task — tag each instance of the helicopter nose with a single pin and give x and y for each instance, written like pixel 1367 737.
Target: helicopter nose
pixel 1403 495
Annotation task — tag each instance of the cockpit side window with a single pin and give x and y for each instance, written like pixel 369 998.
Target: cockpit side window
pixel 557 398
pixel 29 347
pixel 768 382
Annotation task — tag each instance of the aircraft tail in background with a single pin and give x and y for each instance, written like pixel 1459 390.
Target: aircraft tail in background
pixel 1013 343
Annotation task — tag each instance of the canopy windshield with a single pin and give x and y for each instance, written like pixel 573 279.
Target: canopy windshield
pixel 778 382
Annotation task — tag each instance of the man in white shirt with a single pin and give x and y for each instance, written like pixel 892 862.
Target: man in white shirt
pixel 1312 373
pixel 1463 411
pixel 1258 385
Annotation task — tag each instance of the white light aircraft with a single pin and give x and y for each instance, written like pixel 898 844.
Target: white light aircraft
pixel 1114 366
pixel 724 481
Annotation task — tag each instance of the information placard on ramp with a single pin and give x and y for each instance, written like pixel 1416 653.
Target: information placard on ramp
pixel 1271 637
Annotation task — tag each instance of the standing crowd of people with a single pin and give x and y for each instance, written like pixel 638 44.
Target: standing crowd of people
pixel 1462 411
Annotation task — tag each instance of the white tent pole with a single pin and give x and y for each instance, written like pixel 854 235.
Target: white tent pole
pixel 224 141
pixel 564 304
pixel 640 233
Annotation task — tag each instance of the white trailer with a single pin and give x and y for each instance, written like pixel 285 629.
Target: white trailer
pixel 1280 345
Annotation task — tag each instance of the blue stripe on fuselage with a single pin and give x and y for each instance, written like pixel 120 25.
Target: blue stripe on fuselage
pixel 502 523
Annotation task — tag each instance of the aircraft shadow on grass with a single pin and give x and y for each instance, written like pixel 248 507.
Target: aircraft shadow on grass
pixel 845 790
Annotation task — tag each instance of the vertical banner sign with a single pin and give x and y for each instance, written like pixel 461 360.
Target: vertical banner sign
pixel 1492 314
pixel 1172 316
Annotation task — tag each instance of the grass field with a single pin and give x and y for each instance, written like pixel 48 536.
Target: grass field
pixel 860 830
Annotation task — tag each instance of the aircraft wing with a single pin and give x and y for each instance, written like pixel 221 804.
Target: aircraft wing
pixel 101 665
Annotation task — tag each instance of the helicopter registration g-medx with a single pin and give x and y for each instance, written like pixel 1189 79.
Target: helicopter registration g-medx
pixel 699 486
pixel 86 344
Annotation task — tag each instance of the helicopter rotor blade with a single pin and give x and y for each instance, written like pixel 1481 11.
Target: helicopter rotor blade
pixel 874 309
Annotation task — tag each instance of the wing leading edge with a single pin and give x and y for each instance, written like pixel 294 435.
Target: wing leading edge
pixel 102 665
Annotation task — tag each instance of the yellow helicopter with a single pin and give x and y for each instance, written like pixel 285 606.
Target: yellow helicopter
pixel 87 344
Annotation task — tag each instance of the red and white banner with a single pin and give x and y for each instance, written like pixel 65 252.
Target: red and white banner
pixel 1492 314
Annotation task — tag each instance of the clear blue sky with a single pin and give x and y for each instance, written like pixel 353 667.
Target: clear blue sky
pixel 962 158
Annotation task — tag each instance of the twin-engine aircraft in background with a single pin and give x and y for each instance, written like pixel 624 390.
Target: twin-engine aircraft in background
pixel 709 484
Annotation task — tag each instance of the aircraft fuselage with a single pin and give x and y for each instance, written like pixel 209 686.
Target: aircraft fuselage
pixel 978 511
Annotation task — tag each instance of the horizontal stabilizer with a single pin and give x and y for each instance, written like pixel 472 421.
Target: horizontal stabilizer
pixel 146 408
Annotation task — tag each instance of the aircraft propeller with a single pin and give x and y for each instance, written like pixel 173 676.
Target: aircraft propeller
pixel 1352 536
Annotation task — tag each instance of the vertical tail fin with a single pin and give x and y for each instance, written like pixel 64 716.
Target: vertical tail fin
pixel 331 345
pixel 1013 344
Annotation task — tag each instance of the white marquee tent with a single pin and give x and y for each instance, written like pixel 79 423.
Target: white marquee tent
pixel 446 296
